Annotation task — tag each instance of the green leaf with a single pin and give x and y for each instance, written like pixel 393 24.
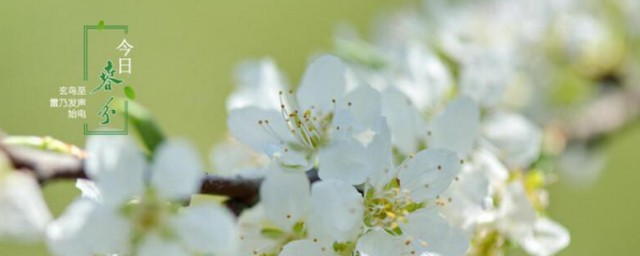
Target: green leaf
pixel 148 129
pixel 100 24
pixel 129 92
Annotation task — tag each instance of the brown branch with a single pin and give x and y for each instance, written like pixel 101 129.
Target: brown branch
pixel 243 192
pixel 612 111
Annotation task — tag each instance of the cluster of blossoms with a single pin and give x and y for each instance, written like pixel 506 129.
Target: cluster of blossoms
pixel 433 140
pixel 398 175
pixel 570 66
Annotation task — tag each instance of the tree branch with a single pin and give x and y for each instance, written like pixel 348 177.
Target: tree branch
pixel 45 166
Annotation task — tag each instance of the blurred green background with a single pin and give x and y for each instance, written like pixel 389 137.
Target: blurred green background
pixel 185 56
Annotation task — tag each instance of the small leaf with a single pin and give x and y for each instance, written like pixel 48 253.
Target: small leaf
pixel 100 24
pixel 129 92
pixel 148 129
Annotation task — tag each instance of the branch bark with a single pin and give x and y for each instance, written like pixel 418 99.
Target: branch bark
pixel 45 166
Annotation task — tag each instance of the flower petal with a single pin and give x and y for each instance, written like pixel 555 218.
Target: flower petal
pixel 176 170
pixel 89 228
pixel 286 197
pixel 516 215
pixel 336 211
pixel 306 248
pixel 408 127
pixel 258 85
pixel 428 226
pixel 249 127
pixel 324 80
pixel 64 235
pixel 456 128
pixel 379 243
pixel 346 160
pixel 154 245
pixel 89 190
pixel 547 238
pixel 117 167
pixel 207 229
pixel 516 139
pixel 364 103
pixel 429 173
pixel 23 210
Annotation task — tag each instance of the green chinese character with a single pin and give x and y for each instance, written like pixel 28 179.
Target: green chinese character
pixel 108 78
pixel 106 112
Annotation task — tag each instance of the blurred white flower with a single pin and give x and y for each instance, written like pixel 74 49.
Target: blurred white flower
pixel 258 84
pixel 23 212
pixel 137 209
pixel 473 192
pixel 517 218
pixel 512 137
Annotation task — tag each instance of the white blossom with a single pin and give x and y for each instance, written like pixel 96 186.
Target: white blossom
pixel 136 210
pixel 23 212
pixel 323 120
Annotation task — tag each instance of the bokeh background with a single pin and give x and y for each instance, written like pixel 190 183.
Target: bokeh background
pixel 185 57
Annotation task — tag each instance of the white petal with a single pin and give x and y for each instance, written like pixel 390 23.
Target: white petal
pixel 176 171
pixel 346 160
pixel 323 81
pixel 468 197
pixel 428 226
pixel 286 197
pixel 89 190
pixel 353 158
pixel 380 156
pixel 364 103
pixel 294 160
pixel 379 243
pixel 231 157
pixel 109 230
pixel 249 127
pixel 23 212
pixel 252 241
pixel 456 128
pixel 516 139
pixel 64 235
pixel 516 214
pixel 471 193
pixel 153 245
pixel 258 85
pixel 429 173
pixel 408 127
pixel 548 237
pixel 485 78
pixel 429 78
pixel 337 209
pixel 117 167
pixel 306 248
pixel 88 228
pixel 207 229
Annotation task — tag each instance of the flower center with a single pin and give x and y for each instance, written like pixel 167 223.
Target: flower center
pixel 389 208
pixel 309 126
